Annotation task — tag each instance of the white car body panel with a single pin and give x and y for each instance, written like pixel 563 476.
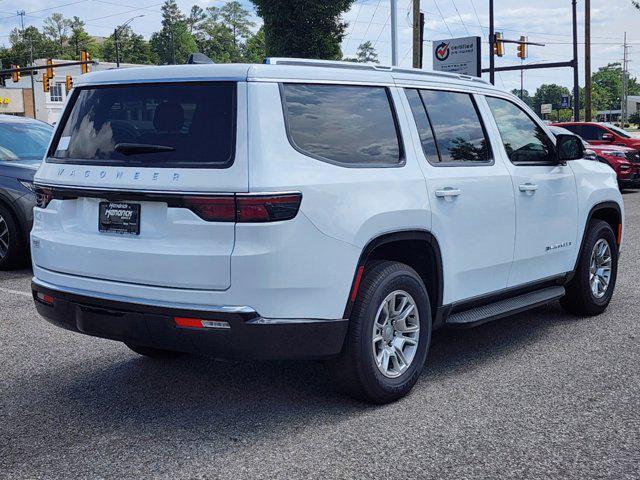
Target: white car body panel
pixel 489 236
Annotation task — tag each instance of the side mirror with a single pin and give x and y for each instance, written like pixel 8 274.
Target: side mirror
pixel 607 137
pixel 569 147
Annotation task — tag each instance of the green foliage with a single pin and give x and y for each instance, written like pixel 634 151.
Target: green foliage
pixel 133 47
pixel 56 28
pixel 607 87
pixel 549 93
pixel 526 96
pixel 80 40
pixel 255 50
pixel 365 54
pixel 173 43
pixel 303 28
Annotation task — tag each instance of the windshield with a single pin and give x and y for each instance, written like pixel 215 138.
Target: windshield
pixel 161 125
pixel 618 130
pixel 23 141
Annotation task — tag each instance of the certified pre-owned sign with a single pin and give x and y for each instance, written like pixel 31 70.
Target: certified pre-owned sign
pixel 458 55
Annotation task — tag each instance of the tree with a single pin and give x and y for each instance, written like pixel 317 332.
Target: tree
pixel 526 96
pixel 80 40
pixel 303 28
pixel 549 93
pixel 607 87
pixel 237 19
pixel 56 28
pixel 22 41
pixel 133 48
pixel 255 51
pixel 195 18
pixel 366 53
pixel 173 43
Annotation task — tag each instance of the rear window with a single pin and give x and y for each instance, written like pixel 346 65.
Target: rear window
pixel 150 125
pixel 349 125
pixel 24 141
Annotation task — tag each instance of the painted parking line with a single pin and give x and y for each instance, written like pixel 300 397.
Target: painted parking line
pixel 15 292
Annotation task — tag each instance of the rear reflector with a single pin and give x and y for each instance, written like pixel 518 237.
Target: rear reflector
pixel 44 298
pixel 187 322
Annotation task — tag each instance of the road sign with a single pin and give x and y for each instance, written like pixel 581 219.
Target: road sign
pixel 546 108
pixel 565 101
pixel 458 55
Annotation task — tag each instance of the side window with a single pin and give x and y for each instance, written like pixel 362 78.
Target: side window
pixel 350 125
pixel 457 128
pixel 424 126
pixel 592 132
pixel 524 140
pixel 577 129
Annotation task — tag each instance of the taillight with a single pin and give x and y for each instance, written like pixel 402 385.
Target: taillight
pixel 267 208
pixel 44 298
pixel 245 208
pixel 213 209
pixel 43 196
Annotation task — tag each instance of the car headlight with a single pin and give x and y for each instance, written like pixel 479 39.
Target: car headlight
pixel 28 185
pixel 615 153
pixel 625 167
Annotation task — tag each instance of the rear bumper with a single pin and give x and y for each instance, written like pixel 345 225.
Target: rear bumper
pixel 248 336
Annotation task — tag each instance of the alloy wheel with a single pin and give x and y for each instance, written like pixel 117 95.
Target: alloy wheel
pixel 396 331
pixel 4 238
pixel 600 268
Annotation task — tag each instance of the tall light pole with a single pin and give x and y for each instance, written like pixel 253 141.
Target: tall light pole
pixel 116 33
pixel 394 32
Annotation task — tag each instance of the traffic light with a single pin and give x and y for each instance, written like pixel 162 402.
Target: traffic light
pixel 84 57
pixel 498 46
pixel 49 68
pixel 45 82
pixel 68 83
pixel 522 48
pixel 15 76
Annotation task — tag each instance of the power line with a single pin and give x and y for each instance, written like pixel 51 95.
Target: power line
pixel 442 16
pixel 460 16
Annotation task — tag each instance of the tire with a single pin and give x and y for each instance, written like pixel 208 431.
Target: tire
pixel 12 246
pixel 155 353
pixel 355 370
pixel 580 298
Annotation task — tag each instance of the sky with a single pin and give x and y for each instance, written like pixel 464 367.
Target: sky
pixel 544 21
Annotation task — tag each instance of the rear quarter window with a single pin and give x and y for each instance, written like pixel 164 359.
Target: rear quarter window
pixel 343 124
pixel 150 125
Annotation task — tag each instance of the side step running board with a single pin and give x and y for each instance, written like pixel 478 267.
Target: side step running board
pixel 504 308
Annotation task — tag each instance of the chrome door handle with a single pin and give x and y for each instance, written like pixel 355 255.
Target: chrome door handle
pixel 528 187
pixel 448 192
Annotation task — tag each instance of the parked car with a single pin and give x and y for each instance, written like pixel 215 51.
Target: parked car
pixel 23 142
pixel 602 133
pixel 625 161
pixel 310 209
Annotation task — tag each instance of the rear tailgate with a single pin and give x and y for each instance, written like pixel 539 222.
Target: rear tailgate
pixel 139 176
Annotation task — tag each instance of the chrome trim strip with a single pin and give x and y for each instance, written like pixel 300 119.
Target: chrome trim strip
pixel 290 321
pixel 154 303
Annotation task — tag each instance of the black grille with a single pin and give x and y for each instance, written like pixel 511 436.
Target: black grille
pixel 634 156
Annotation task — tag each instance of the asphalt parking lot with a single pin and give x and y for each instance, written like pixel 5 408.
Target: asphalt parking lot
pixel 539 395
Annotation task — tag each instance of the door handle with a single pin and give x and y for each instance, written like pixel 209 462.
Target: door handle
pixel 448 192
pixel 528 187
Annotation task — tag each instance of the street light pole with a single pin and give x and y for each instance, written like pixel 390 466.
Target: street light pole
pixel 116 37
pixel 394 32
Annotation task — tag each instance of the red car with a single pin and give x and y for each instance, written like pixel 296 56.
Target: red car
pixel 601 134
pixel 624 160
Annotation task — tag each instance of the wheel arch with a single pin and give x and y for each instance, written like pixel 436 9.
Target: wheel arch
pixel 609 212
pixel 417 248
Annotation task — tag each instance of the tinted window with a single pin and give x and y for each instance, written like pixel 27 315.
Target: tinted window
pixel 346 124
pixel 423 125
pixel 24 141
pixel 456 126
pixel 186 125
pixel 523 139
pixel 592 132
pixel 576 129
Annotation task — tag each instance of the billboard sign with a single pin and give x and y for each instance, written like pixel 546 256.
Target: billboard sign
pixel 546 108
pixel 458 55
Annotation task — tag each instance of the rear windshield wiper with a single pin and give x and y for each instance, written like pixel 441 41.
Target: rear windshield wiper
pixel 138 148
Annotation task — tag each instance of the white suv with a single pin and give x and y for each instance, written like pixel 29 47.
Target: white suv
pixel 306 209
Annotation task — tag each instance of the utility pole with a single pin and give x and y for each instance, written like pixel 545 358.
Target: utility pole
pixel 492 60
pixel 587 60
pixel 117 41
pixel 394 32
pixel 21 14
pixel 416 35
pixel 625 76
pixel 421 39
pixel 576 84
